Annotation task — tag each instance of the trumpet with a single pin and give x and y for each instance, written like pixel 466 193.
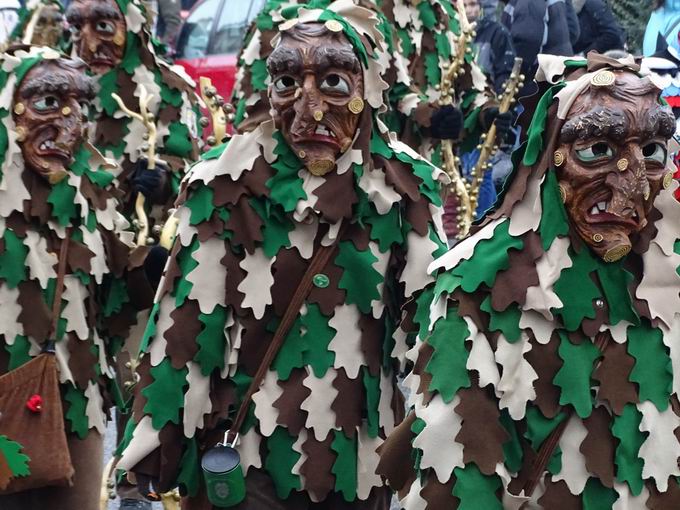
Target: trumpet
pixel 449 76
pixel 488 146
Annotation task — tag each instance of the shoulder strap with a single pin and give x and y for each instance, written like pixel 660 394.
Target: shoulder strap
pixel 319 261
pixel 58 292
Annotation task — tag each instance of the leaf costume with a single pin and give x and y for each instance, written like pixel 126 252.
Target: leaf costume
pixel 535 352
pixel 251 216
pixel 104 284
pixel 175 107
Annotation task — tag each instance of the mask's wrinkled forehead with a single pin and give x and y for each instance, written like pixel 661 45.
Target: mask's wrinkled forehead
pixel 80 10
pixel 312 54
pixel 63 76
pixel 629 107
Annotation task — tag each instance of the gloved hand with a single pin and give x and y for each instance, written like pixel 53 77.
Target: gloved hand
pixel 154 263
pixel 148 182
pixel 446 123
pixel 503 122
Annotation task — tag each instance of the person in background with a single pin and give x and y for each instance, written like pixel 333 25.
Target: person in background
pixel 599 29
pixel 663 25
pixel 169 23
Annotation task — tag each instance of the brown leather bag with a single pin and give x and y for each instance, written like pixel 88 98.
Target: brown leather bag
pixel 41 434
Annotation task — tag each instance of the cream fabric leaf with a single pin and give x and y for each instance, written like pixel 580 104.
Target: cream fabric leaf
pixel 367 463
pixel 63 356
pixel 197 401
pixel 419 255
pixel 210 277
pixel 98 266
pixel 464 249
pixel 627 501
pixel 251 52
pixel 385 412
pixel 541 298
pixel 165 322
pixel 257 284
pixel 9 312
pixel 482 358
pixel 516 386
pixel 249 450
pixel 574 472
pixel 94 409
pixel 145 439
pixel 75 294
pixel 437 441
pixel 380 266
pixel 264 399
pixel 537 323
pixel 185 231
pixel 320 417
pixel 302 238
pixel 660 282
pixel 379 192
pixel 346 344
pixel 670 339
pixel 661 450
pixel 413 500
pixel 14 193
pixel 526 215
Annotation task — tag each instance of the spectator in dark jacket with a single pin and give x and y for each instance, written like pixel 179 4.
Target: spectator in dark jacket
pixel 540 26
pixel 599 29
pixel 494 52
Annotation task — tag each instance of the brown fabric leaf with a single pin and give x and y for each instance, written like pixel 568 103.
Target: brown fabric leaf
pixel 419 217
pixel 35 315
pixel 254 342
pixel 82 361
pixel 331 296
pixel 545 360
pixel 372 335
pixel 470 305
pixel 235 275
pixel 118 252
pixel 94 194
pixel 255 180
pixel 393 454
pixel 223 399
pixel 348 406
pixel 246 225
pixel 613 373
pixel 37 206
pixel 79 257
pixel 120 323
pixel 337 196
pixel 211 228
pixel 144 372
pixel 511 285
pixel 481 433
pixel 598 446
pixel 169 113
pixel 425 352
pixel 172 271
pixel 439 496
pixel 109 131
pixel 181 346
pixel 288 269
pixel 171 450
pixel 558 497
pixel 294 394
pixel 669 500
pixel 226 191
pixel 317 469
pixel 400 177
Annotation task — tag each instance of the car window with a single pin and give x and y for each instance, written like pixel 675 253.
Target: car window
pixel 234 20
pixel 195 35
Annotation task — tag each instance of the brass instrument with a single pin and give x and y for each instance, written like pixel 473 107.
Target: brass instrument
pixel 221 113
pixel 488 146
pixel 456 69
pixel 148 120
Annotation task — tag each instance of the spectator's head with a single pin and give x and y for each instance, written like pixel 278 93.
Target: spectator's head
pixel 472 9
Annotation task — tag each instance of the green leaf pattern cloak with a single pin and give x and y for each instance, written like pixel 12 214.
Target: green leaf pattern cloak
pixel 250 219
pixel 509 351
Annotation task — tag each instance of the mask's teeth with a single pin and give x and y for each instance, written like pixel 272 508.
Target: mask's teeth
pixel 602 206
pixel 594 210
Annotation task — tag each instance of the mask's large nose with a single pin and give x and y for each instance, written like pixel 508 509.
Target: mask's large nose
pixel 309 107
pixel 69 127
pixel 629 184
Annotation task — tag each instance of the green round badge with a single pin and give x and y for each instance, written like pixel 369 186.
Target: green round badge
pixel 321 280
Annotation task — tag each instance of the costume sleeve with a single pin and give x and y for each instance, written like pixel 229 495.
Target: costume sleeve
pixel 608 33
pixel 572 22
pixel 503 59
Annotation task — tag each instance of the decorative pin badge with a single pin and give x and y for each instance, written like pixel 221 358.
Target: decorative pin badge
pixel 604 78
pixel 558 158
pixel 19 108
pixel 667 180
pixel 622 164
pixel 318 115
pixel 356 105
pixel 333 25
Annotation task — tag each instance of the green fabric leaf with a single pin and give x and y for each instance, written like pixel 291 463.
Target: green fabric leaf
pixel 537 126
pixel 598 497
pixel 13 260
pixel 285 185
pixel 615 279
pixel 116 297
pixel 211 341
pixel 489 258
pixel 359 279
pixel 422 316
pixel 475 490
pixel 507 321
pixel 275 230
pixel 407 46
pixel 17 461
pixel 190 473
pixel 258 75
pixel 554 222
pixel 280 461
pixel 200 203
pixel 150 330
pixel 108 85
pixel 18 352
pixel 449 358
pixel 131 57
pixel 652 370
pixel 512 448
pixel 386 228
pixel 372 386
pixel 345 467
pixel 574 376
pixel 178 142
pixel 62 198
pixel 576 290
pixel 626 429
pixel 443 45
pixel 165 395
pixel 433 73
pixel 316 335
pixel 379 147
pixel 427 15
pixel 186 265
pixel 77 414
pixel 539 427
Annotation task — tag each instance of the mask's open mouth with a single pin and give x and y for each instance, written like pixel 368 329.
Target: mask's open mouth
pixel 46 145
pixel 599 212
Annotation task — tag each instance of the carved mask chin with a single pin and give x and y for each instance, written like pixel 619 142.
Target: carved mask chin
pixel 612 160
pixel 99 32
pixel 48 115
pixel 316 93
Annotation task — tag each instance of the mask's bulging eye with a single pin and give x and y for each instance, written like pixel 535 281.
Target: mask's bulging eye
pixel 46 104
pixel 597 152
pixel 655 152
pixel 285 84
pixel 334 83
pixel 75 31
pixel 105 27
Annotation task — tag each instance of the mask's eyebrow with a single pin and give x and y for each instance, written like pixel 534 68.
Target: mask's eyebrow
pixel 285 60
pixel 343 58
pixel 105 11
pixel 58 83
pixel 75 14
pixel 599 122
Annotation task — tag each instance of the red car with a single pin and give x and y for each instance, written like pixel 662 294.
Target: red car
pixel 211 39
